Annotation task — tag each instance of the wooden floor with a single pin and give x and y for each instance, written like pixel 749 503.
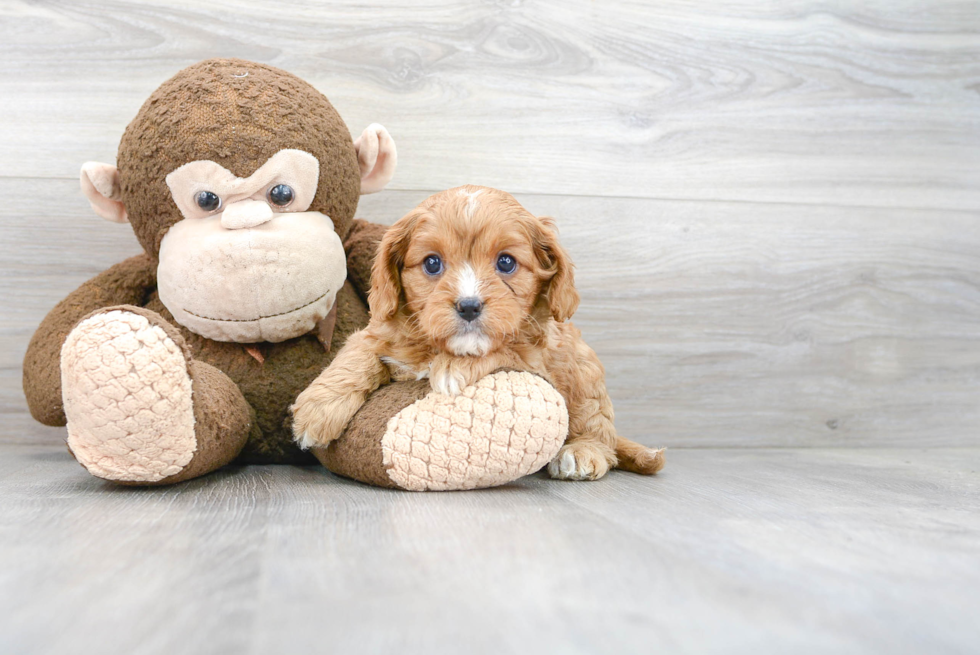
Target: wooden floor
pixel 730 550
pixel 774 209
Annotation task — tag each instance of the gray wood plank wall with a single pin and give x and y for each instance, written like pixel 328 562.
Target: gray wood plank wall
pixel 774 210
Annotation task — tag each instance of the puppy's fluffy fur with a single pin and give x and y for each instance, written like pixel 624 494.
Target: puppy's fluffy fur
pixel 417 329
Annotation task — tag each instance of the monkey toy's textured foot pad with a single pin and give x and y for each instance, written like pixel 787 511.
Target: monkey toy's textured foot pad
pixel 128 397
pixel 505 426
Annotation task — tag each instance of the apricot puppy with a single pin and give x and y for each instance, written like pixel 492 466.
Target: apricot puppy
pixel 467 283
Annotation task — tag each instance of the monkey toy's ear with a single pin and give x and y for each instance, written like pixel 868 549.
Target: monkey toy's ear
pixel 377 157
pixel 100 184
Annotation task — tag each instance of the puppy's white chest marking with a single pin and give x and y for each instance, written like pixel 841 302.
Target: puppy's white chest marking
pixel 473 343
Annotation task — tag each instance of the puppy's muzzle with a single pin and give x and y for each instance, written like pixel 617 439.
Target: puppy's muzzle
pixel 469 309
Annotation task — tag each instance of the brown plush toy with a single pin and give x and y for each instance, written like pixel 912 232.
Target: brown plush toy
pixel 241 182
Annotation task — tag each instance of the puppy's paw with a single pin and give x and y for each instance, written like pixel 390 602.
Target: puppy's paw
pixel 446 383
pixel 578 461
pixel 319 418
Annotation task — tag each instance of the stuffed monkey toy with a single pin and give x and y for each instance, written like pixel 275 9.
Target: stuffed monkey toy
pixel 240 182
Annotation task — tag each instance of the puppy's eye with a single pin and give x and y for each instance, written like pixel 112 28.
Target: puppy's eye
pixel 207 200
pixel 281 195
pixel 432 265
pixel 506 264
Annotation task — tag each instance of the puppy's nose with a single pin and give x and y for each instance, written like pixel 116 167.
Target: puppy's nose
pixel 469 308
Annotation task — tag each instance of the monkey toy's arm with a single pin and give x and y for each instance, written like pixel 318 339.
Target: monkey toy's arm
pixel 126 283
pixel 361 246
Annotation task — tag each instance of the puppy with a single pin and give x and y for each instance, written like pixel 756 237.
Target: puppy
pixel 467 283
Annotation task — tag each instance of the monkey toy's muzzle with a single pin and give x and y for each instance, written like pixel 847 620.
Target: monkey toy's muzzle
pixel 269 281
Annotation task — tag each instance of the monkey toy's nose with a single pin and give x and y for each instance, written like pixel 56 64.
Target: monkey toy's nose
pixel 245 213
pixel 469 308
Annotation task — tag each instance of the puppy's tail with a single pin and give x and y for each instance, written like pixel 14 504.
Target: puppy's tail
pixel 638 458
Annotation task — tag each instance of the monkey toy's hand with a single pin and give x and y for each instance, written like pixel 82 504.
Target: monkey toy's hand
pixel 409 436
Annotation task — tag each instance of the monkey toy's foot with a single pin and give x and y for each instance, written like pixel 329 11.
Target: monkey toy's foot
pixel 406 436
pixel 139 409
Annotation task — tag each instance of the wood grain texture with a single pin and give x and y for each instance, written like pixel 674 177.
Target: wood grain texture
pixel 727 551
pixel 807 101
pixel 719 324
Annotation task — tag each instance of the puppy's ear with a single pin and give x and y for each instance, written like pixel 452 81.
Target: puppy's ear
pixel 386 279
pixel 559 291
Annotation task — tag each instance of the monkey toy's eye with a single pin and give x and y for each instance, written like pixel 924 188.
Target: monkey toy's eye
pixel 281 195
pixel 506 264
pixel 207 200
pixel 432 265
